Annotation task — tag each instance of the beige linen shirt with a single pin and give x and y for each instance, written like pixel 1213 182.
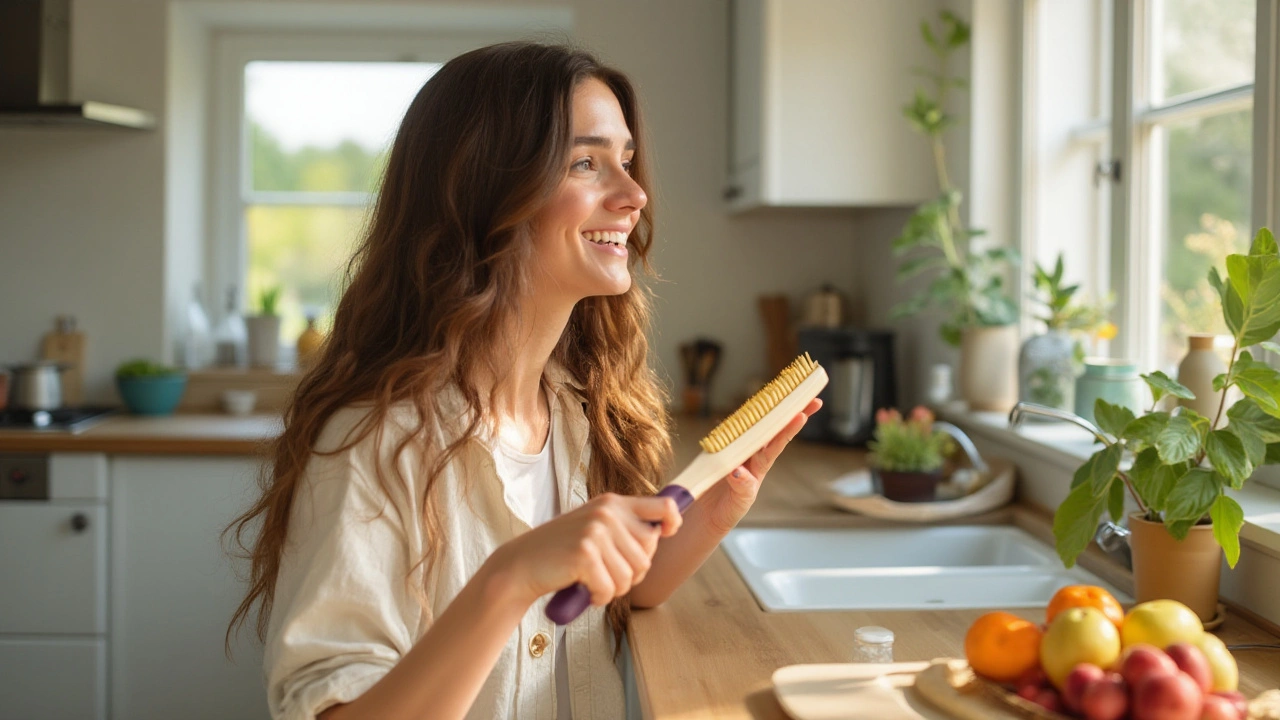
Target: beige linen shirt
pixel 344 613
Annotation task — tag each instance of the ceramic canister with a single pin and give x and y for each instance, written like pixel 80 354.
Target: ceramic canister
pixel 1115 381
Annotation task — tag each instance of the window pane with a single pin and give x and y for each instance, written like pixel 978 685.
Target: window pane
pixel 303 250
pixel 1206 218
pixel 1203 45
pixel 324 126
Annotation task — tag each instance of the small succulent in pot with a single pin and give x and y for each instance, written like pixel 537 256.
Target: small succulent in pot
pixel 150 388
pixel 908 454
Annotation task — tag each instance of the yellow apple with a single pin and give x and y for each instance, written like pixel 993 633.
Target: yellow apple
pixel 1078 635
pixel 1160 623
pixel 1226 676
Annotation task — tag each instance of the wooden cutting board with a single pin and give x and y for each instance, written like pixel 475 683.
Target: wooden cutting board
pixel 66 345
pixel 906 691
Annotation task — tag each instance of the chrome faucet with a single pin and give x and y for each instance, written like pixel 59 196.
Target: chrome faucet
pixel 1113 539
pixel 1026 408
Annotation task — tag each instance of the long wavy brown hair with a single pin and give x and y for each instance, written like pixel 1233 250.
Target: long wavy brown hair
pixel 436 279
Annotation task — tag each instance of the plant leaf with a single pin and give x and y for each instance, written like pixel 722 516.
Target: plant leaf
pixel 1246 413
pixel 1258 381
pixel 1180 528
pixel 1162 385
pixel 1273 454
pixel 1152 480
pixel 1255 448
pixel 914 266
pixel 1075 522
pixel 1111 418
pixel 1193 494
pixel 1228 518
pixel 1256 281
pixel 1264 243
pixel 1097 471
pixel 1147 428
pixel 1179 440
pixel 1115 500
pixel 1227 454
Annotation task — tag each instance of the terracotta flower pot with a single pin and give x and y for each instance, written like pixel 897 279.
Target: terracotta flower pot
pixel 901 486
pixel 1184 570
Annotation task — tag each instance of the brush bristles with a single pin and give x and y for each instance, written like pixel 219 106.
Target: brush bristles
pixel 766 399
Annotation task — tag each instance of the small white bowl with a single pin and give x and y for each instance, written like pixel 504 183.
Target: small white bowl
pixel 239 402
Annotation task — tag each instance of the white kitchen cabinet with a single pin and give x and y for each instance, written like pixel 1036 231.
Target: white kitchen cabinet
pixel 53 586
pixel 817 93
pixel 174 590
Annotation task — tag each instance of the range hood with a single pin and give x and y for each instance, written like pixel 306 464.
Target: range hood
pixel 35 67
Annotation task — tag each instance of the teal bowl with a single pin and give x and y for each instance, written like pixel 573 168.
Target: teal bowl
pixel 157 395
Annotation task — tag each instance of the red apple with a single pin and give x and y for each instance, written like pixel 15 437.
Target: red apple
pixel 1035 676
pixel 1048 699
pixel 1106 698
pixel 1143 661
pixel 1191 660
pixel 1236 698
pixel 1080 677
pixel 1168 697
pixel 1217 707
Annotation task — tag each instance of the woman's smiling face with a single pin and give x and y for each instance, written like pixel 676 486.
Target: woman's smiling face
pixel 580 236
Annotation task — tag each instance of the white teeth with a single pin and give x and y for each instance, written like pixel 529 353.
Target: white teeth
pixel 604 237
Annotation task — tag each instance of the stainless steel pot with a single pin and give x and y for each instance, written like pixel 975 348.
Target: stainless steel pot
pixel 37 386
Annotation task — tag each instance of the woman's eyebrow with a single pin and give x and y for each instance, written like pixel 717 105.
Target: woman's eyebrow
pixel 600 141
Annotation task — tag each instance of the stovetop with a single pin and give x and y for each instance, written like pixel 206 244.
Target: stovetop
pixel 69 419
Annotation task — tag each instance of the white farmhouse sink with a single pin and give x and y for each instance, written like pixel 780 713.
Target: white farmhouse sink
pixel 951 567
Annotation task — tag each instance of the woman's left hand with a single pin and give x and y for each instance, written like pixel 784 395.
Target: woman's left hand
pixel 727 502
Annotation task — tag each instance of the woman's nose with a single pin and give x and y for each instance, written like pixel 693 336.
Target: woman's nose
pixel 627 197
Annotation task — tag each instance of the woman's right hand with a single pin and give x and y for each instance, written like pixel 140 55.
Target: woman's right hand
pixel 606 544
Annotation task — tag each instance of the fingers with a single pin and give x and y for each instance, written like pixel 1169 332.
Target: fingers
pixel 661 510
pixel 762 461
pixel 620 541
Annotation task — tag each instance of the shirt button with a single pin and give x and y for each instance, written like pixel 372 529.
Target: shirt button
pixel 538 644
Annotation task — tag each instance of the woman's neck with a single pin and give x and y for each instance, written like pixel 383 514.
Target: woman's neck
pixel 520 410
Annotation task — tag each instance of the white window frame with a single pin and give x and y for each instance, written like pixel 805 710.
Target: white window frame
pixel 1136 243
pixel 227 252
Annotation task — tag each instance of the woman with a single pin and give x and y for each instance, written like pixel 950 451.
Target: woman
pixel 482 427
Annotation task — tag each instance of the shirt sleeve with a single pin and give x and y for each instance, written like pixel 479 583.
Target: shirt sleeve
pixel 342 615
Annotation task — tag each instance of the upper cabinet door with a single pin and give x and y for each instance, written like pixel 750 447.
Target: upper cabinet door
pixel 817 93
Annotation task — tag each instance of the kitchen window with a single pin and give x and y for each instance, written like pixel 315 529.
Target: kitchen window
pixel 1142 162
pixel 301 129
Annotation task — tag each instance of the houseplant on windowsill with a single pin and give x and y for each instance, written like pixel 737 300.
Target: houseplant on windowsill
pixel 907 455
pixel 264 330
pixel 1050 362
pixel 967 282
pixel 1182 467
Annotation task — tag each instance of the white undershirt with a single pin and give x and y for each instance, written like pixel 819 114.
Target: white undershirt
pixel 529 486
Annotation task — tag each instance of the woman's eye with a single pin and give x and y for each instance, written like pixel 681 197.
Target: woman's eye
pixel 584 165
pixel 627 166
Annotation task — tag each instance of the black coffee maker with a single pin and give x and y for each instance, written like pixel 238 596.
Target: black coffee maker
pixel 860 366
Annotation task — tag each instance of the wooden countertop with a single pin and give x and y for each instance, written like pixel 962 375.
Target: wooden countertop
pixel 710 651
pixel 181 434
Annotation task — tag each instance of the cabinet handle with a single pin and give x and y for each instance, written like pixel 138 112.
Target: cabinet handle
pixel 79 522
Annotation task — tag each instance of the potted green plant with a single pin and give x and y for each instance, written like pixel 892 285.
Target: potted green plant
pixel 1049 363
pixel 150 388
pixel 264 330
pixel 967 282
pixel 907 454
pixel 1182 467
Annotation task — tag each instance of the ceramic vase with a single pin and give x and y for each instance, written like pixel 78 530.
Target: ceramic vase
pixel 1197 370
pixel 1116 381
pixel 1167 568
pixel 1047 370
pixel 264 340
pixel 989 367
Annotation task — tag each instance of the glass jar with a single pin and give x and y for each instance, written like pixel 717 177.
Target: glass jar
pixel 1047 370
pixel 872 644
pixel 1115 381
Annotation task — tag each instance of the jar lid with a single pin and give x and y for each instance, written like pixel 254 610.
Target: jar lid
pixel 1106 367
pixel 874 635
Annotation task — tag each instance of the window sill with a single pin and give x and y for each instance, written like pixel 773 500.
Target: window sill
pixel 1063 447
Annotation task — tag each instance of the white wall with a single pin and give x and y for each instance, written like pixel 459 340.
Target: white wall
pixel 86 228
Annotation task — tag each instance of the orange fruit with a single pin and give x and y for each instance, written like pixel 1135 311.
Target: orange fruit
pixel 1092 596
pixel 1002 646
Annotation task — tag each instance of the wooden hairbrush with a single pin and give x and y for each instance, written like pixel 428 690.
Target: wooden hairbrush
pixel 727 446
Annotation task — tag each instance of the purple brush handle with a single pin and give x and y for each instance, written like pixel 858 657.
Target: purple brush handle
pixel 569 602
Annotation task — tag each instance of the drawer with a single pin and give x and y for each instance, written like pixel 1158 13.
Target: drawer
pixel 53 679
pixel 53 571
